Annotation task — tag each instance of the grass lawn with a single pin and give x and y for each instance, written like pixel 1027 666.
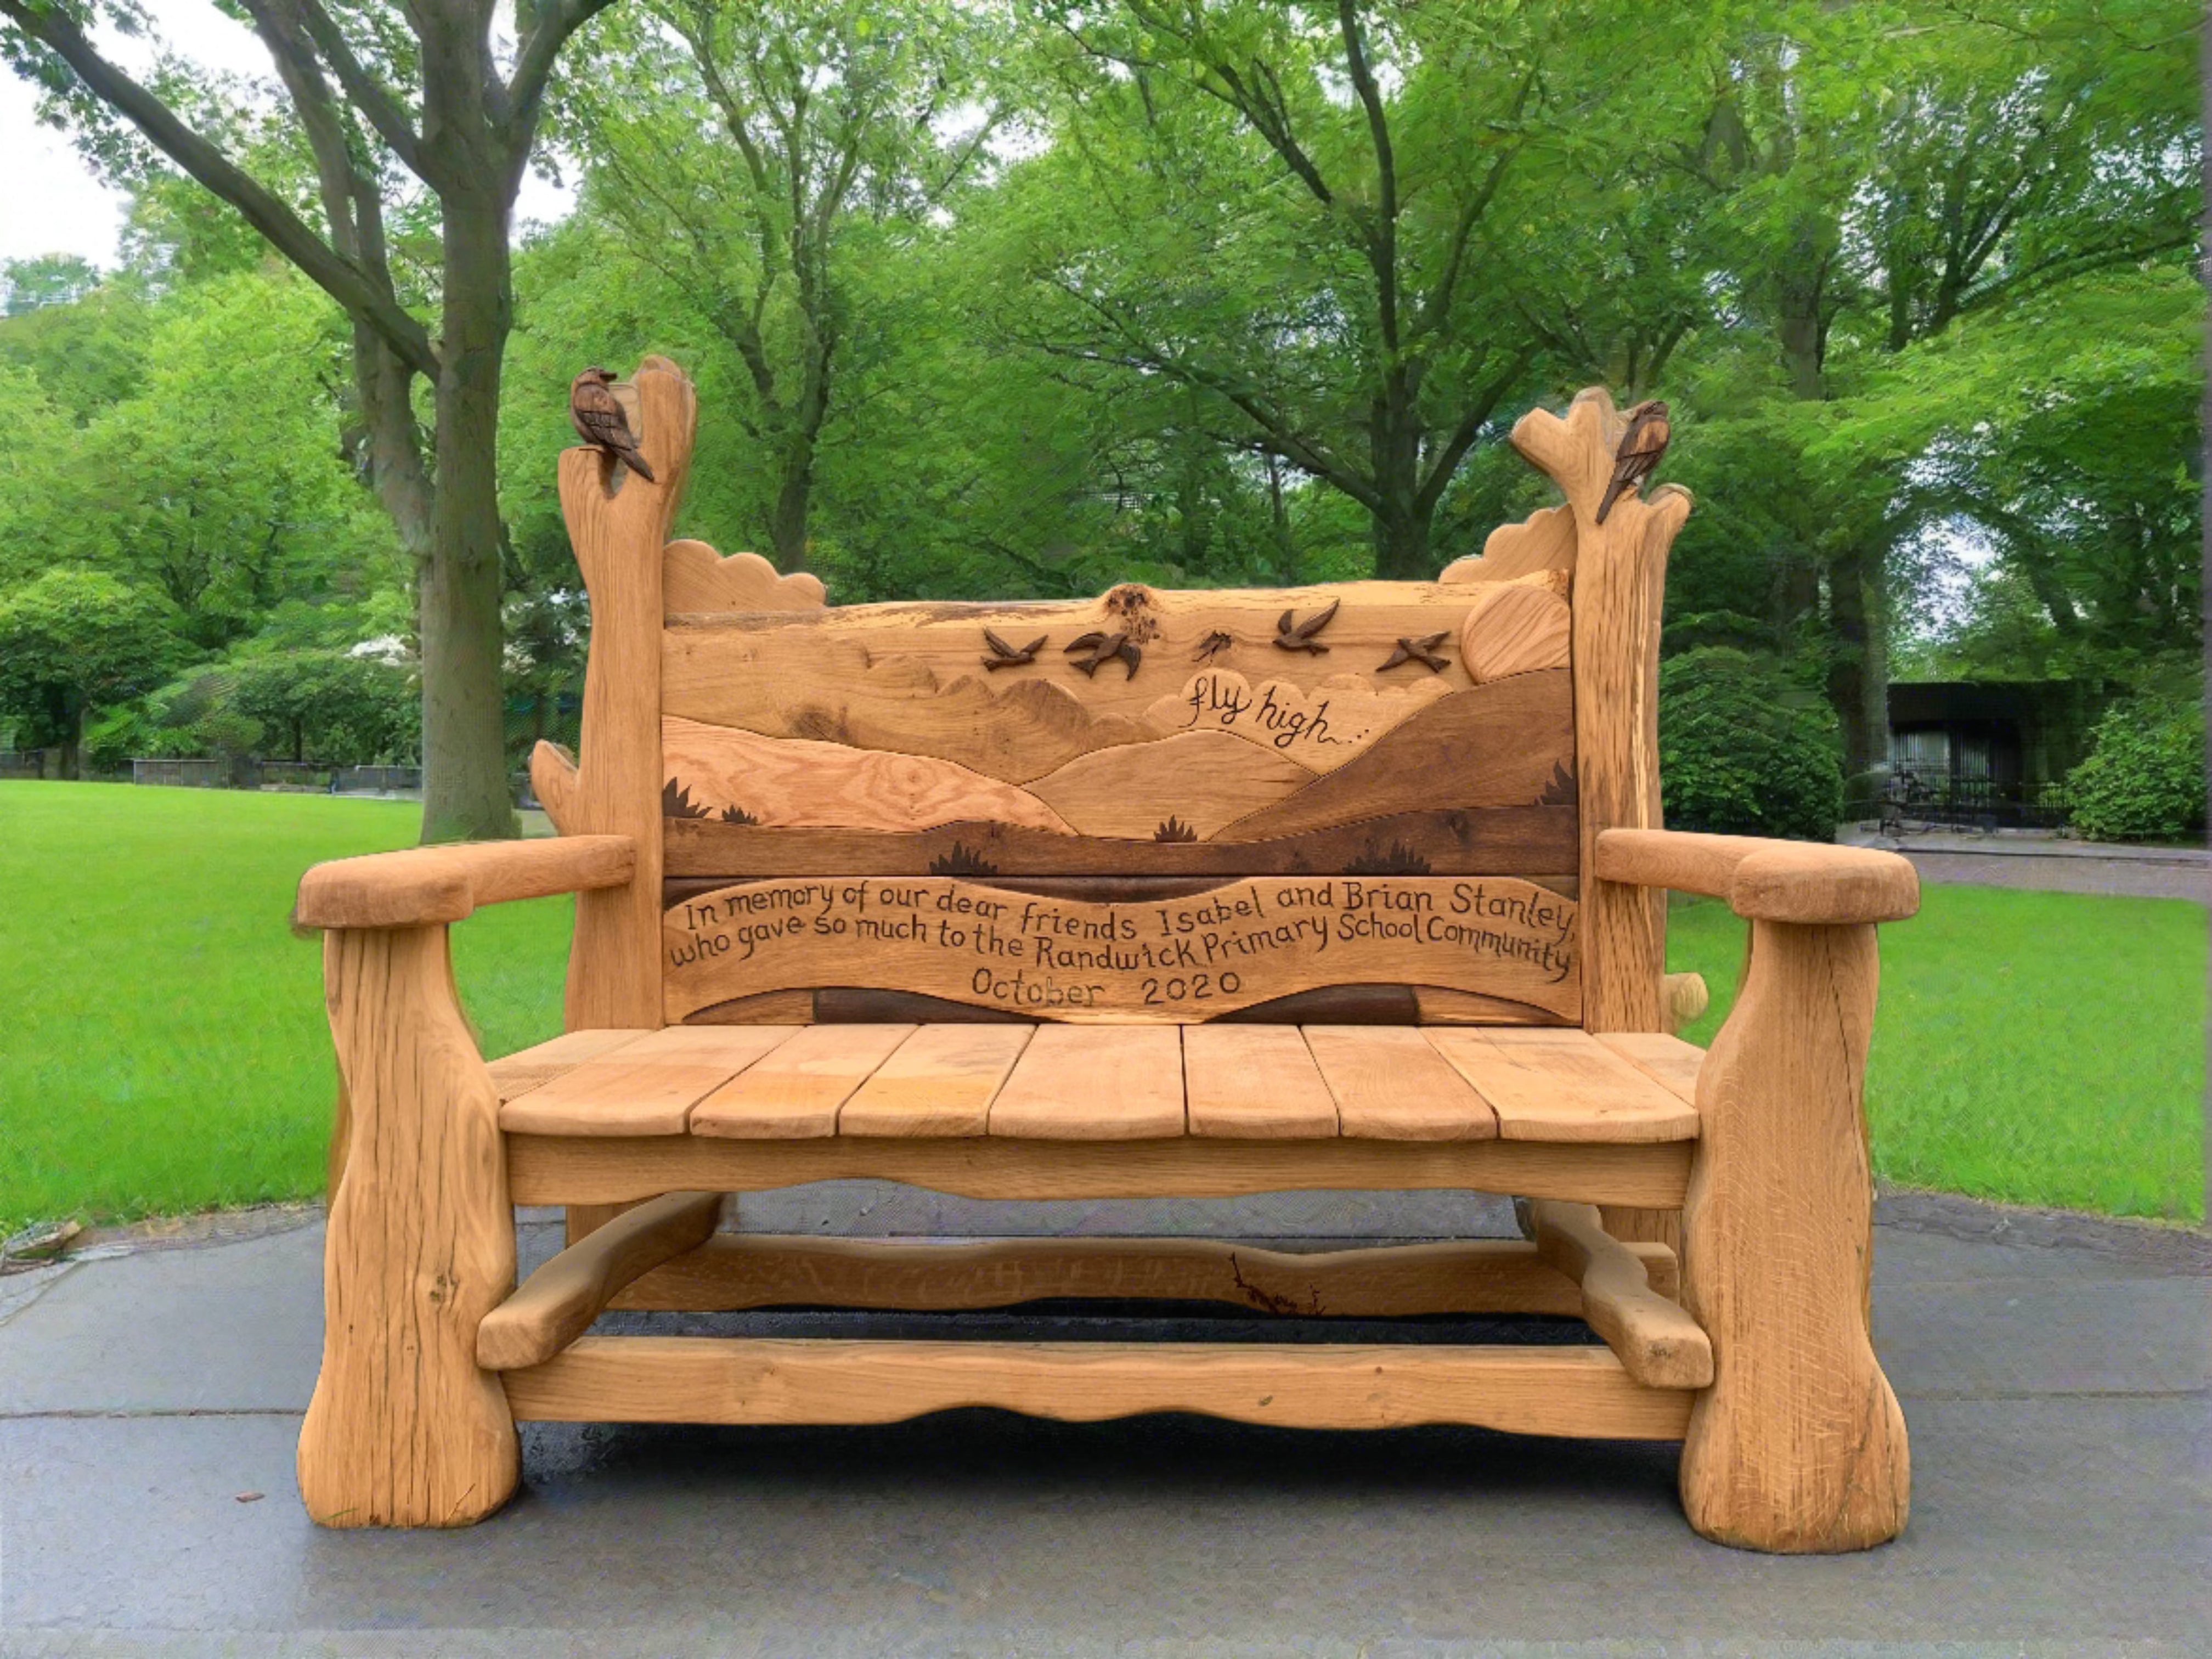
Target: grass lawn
pixel 164 1048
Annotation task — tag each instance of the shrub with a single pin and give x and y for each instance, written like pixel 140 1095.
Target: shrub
pixel 2144 779
pixel 1744 749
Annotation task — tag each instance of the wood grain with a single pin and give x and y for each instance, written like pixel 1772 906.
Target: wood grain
pixel 1094 1082
pixel 1390 1084
pixel 1544 541
pixel 404 1429
pixel 1621 573
pixel 519 1073
pixel 673 1379
pixel 786 782
pixel 1254 1082
pixel 1177 961
pixel 1667 1061
pixel 735 1271
pixel 1319 728
pixel 940 1081
pixel 425 885
pixel 1514 628
pixel 1533 842
pixel 1563 1085
pixel 614 961
pixel 1799 1445
pixel 553 779
pixel 794 1091
pixel 557 1303
pixel 1657 1343
pixel 560 1170
pixel 1199 782
pixel 695 578
pixel 645 1087
pixel 1769 880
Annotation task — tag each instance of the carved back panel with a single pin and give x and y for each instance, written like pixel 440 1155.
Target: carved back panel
pixel 1352 802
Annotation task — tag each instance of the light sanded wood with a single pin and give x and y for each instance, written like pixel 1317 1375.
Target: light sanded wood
pixel 1770 880
pixel 425 885
pixel 553 779
pixel 1390 1084
pixel 404 1429
pixel 1094 1082
pixel 1621 573
pixel 1560 1391
pixel 795 1091
pixel 1254 1082
pixel 557 1303
pixel 940 1081
pixel 1062 957
pixel 519 1073
pixel 1197 780
pixel 1514 628
pixel 1563 1085
pixel 1683 999
pixel 1657 1343
pixel 910 677
pixel 696 578
pixel 1667 1061
pixel 735 1271
pixel 787 782
pixel 554 1170
pixel 614 961
pixel 646 1087
pixel 1542 541
pixel 1319 728
pixel 1799 1445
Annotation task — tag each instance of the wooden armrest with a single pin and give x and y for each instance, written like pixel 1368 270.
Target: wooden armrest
pixel 427 885
pixel 1798 881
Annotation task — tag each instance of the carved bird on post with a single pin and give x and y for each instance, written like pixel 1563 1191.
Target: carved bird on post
pixel 1641 446
pixel 600 422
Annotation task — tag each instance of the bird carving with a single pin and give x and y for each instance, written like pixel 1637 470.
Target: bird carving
pixel 1004 656
pixel 1105 648
pixel 1212 646
pixel 1641 446
pixel 600 422
pixel 1292 635
pixel 1423 650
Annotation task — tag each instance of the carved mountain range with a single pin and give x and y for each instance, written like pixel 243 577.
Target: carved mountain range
pixel 1198 780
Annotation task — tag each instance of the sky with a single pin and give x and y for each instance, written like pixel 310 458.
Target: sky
pixel 51 203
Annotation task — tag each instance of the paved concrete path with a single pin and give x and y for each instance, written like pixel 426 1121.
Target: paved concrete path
pixel 2055 1375
pixel 2051 865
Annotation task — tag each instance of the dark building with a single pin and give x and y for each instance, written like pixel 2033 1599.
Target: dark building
pixel 1989 750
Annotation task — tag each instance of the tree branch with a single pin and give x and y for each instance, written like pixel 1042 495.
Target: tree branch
pixel 367 94
pixel 260 208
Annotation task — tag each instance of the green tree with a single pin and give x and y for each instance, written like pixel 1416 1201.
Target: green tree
pixel 335 707
pixel 74 640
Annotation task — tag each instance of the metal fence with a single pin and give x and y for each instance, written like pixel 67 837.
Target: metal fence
pixel 218 773
pixel 1912 805
pixel 28 763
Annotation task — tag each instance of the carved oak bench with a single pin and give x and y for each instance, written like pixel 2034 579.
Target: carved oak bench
pixel 1157 894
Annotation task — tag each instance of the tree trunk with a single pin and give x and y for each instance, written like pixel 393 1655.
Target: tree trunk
pixel 794 499
pixel 1858 675
pixel 1401 546
pixel 465 794
pixel 72 735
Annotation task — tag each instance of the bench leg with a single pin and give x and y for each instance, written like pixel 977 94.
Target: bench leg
pixel 404 1430
pixel 1799 1445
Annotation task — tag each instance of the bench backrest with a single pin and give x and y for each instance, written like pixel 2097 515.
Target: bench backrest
pixel 1366 801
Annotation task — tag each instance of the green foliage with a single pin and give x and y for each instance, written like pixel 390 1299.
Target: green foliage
pixel 2144 780
pixel 71 640
pixel 1745 751
pixel 331 707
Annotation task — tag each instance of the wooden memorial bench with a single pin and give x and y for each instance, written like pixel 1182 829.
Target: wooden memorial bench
pixel 1355 886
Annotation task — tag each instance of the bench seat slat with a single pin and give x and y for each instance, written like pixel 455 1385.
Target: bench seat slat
pixel 1563 1085
pixel 1255 1082
pixel 1667 1061
pixel 940 1081
pixel 644 1087
pixel 1390 1086
pixel 795 1093
pixel 1095 1083
pixel 525 1069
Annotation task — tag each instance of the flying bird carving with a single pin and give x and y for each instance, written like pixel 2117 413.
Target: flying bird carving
pixel 600 422
pixel 1423 651
pixel 1212 646
pixel 1105 648
pixel 1641 446
pixel 1292 635
pixel 1004 656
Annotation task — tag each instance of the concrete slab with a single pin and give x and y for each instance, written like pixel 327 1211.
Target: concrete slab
pixel 2058 1394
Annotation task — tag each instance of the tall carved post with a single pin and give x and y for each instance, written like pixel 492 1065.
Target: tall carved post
pixel 1799 1445
pixel 403 1428
pixel 618 524
pixel 1619 586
